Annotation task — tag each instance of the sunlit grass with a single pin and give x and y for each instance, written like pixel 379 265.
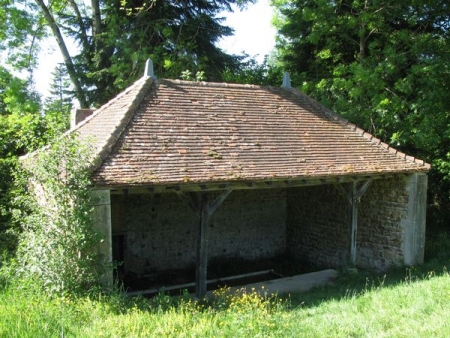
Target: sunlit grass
pixel 357 305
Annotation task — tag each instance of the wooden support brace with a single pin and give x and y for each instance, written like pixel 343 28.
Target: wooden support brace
pixel 191 201
pixel 362 190
pixel 344 192
pixel 212 207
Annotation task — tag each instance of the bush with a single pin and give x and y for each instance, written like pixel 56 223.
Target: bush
pixel 57 247
pixel 437 248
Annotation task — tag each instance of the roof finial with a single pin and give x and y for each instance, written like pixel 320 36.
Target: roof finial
pixel 149 69
pixel 286 80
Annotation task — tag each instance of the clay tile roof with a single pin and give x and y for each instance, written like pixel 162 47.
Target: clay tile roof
pixel 171 132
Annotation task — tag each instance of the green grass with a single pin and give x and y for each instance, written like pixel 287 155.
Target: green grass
pixel 403 304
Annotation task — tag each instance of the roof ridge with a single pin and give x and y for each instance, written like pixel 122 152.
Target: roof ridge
pixel 103 151
pixel 361 132
pixel 99 156
pixel 107 104
pixel 213 84
pixel 129 110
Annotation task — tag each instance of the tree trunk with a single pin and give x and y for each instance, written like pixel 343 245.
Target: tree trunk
pixel 79 93
pixel 83 33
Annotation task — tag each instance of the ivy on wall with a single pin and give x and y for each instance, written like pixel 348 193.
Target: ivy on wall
pixel 57 246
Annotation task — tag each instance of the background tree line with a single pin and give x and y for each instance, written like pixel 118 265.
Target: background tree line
pixel 384 65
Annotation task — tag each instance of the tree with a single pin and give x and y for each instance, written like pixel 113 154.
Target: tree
pixel 382 64
pixel 20 29
pixel 57 107
pixel 21 130
pixel 251 72
pixel 365 55
pixel 114 39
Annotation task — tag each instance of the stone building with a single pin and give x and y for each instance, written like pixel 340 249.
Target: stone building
pixel 187 172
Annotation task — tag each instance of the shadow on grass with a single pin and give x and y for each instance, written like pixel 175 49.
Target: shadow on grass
pixel 353 284
pixel 437 256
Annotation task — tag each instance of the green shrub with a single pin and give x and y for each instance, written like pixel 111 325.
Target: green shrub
pixel 437 248
pixel 57 245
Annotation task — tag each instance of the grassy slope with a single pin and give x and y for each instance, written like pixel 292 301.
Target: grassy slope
pixel 353 307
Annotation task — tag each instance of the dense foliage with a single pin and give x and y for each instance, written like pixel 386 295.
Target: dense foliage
pixel 58 244
pixel 21 129
pixel 252 72
pixel 385 65
pixel 24 126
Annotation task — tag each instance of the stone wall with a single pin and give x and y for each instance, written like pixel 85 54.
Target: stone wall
pixel 250 224
pixel 159 231
pixel 380 231
pixel 317 225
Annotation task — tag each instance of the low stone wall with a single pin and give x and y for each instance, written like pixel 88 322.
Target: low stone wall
pixel 160 232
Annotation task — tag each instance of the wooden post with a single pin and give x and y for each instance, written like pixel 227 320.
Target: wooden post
pixel 354 224
pixel 203 209
pixel 353 197
pixel 202 248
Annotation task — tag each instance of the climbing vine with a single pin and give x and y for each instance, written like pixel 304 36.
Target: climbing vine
pixel 57 245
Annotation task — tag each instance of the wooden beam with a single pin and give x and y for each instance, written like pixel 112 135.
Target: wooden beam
pixel 192 201
pixel 344 192
pixel 209 281
pixel 246 184
pixel 354 223
pixel 362 190
pixel 357 193
pixel 212 207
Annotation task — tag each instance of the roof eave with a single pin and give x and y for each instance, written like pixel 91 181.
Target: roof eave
pixel 274 182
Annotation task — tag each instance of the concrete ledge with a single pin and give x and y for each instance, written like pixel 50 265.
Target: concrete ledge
pixel 299 283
